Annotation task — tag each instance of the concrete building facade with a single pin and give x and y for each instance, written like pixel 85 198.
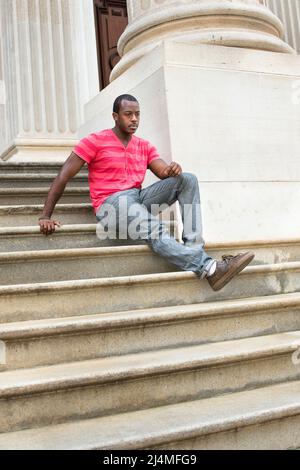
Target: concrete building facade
pixel 48 67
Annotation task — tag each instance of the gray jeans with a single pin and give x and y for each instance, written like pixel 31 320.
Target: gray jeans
pixel 135 211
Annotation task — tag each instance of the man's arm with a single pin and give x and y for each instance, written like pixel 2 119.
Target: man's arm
pixel 162 170
pixel 69 169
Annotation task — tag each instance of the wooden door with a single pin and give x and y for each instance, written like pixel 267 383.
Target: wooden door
pixel 110 22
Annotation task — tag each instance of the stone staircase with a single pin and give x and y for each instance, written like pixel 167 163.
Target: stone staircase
pixel 110 347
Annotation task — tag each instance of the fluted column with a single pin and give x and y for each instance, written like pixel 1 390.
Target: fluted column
pixel 289 12
pixel 2 96
pixel 47 64
pixel 237 23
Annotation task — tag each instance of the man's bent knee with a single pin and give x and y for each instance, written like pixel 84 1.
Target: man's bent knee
pixel 189 177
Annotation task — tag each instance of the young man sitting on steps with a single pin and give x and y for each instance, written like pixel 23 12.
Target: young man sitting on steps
pixel 117 162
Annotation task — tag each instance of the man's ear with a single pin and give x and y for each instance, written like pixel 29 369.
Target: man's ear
pixel 115 116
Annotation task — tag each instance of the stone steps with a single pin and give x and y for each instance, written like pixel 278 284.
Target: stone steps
pixel 34 167
pixel 17 215
pixel 98 262
pixel 36 180
pixel 66 264
pixel 83 263
pixel 56 340
pixel 14 239
pixel 265 418
pixel 32 196
pixel 24 238
pixel 69 298
pixel 105 386
pixel 111 347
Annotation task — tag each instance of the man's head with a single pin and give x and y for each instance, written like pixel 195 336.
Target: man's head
pixel 126 113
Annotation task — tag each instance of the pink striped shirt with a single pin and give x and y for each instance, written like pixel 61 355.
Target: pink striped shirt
pixel 113 167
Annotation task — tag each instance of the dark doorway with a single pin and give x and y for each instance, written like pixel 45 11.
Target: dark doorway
pixel 110 22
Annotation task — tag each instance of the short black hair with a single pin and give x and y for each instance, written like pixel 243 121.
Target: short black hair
pixel 119 99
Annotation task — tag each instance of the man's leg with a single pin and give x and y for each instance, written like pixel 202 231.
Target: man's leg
pixel 136 217
pixel 184 189
pixel 139 222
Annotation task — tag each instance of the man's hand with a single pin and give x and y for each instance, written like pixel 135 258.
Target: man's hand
pixel 174 169
pixel 162 170
pixel 47 226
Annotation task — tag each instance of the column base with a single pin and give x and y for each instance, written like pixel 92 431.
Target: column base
pixel 242 23
pixel 39 150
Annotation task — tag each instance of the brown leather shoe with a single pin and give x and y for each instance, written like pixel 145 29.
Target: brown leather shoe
pixel 228 268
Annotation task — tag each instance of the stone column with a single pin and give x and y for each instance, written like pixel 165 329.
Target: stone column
pixel 49 72
pixel 289 12
pixel 2 96
pixel 238 23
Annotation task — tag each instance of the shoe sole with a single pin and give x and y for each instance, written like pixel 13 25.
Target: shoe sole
pixel 248 257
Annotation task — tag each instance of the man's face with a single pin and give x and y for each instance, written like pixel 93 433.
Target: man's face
pixel 128 117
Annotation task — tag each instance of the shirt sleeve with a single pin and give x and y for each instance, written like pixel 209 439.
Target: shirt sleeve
pixel 152 154
pixel 86 148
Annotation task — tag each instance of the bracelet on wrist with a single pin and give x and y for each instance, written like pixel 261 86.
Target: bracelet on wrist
pixel 46 218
